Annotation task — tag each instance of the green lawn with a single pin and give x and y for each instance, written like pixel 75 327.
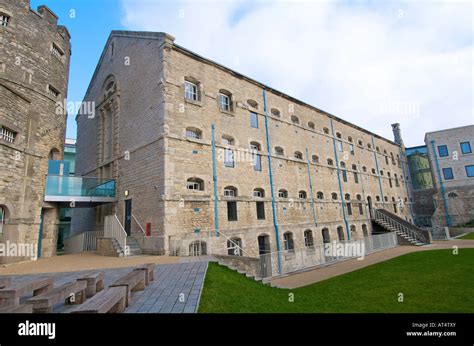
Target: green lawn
pixel 431 281
pixel 468 236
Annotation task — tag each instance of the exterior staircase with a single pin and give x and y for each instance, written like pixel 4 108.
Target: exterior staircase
pixel 407 232
pixel 133 247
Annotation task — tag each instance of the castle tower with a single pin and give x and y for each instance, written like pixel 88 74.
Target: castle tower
pixel 34 68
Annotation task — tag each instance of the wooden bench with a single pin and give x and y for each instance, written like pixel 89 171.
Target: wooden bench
pixel 133 281
pixel 70 293
pixel 110 300
pixel 4 282
pixel 149 269
pixel 11 295
pixel 95 283
pixel 17 309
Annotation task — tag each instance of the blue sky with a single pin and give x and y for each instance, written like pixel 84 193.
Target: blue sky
pixel 369 62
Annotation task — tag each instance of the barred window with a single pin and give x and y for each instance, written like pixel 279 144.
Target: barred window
pixel 7 134
pixel 4 19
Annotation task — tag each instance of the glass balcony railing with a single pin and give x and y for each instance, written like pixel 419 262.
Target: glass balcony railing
pixel 78 188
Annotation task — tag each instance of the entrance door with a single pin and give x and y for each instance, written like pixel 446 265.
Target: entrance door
pixel 369 203
pixel 128 216
pixel 265 256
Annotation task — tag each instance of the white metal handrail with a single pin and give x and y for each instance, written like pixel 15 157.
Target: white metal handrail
pixel 138 223
pixel 114 229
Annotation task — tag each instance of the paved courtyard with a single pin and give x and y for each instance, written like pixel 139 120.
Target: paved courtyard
pixel 176 289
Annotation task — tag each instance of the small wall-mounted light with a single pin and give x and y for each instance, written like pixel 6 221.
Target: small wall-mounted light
pixel 126 193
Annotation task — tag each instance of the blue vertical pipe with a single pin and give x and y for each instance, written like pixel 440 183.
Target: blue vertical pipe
pixel 275 221
pixel 214 178
pixel 378 171
pixel 311 188
pixel 445 201
pixel 339 181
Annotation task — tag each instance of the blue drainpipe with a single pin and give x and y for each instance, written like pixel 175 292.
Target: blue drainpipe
pixel 311 188
pixel 445 201
pixel 339 181
pixel 378 172
pixel 214 178
pixel 275 222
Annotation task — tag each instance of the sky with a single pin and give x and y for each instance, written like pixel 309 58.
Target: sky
pixel 371 63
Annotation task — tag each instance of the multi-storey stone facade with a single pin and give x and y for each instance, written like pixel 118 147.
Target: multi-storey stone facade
pixel 451 155
pixel 34 66
pixel 158 107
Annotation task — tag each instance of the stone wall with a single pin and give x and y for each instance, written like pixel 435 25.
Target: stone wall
pixel 27 69
pixel 153 158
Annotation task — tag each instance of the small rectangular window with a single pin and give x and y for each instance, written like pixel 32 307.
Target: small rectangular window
pixel 356 178
pixel 443 151
pixel 349 209
pixel 56 51
pixel 339 146
pixel 257 162
pixel 4 20
pixel 344 176
pixel 229 158
pixel 254 120
pixel 53 92
pixel 470 171
pixel 448 173
pixel 351 149
pixel 190 91
pixel 224 102
pixel 260 210
pixel 232 211
pixel 466 148
pixel 7 134
pixel 361 209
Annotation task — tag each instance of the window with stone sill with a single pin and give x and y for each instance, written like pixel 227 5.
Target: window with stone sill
pixel 225 102
pixel 275 112
pixel 191 91
pixel 7 135
pixel 302 195
pixel 4 19
pixel 283 194
pixel 56 51
pixel 53 91
pixel 195 184
pixel 193 133
pixel 230 191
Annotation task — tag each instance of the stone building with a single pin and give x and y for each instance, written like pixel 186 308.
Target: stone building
pixel 452 162
pixel 175 130
pixel 422 184
pixel 34 67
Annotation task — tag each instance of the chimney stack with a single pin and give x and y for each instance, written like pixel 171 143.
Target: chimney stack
pixel 397 135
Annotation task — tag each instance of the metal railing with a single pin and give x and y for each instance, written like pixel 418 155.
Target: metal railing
pixel 83 242
pixel 114 229
pixel 138 223
pixel 307 257
pixel 398 226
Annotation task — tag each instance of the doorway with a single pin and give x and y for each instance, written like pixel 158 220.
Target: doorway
pixel 128 217
pixel 369 204
pixel 265 256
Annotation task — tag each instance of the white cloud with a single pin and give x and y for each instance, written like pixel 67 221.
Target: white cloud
pixel 407 62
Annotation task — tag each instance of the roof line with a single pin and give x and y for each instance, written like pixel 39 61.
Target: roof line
pixel 279 93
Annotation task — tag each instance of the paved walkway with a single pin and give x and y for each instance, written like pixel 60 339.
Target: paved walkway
pixel 322 273
pixel 82 261
pixel 176 289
